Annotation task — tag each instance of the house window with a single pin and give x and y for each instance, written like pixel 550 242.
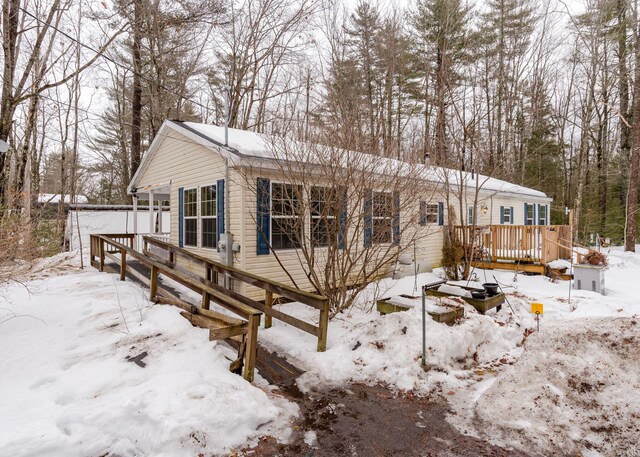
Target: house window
pixel 470 216
pixel 506 215
pixel 382 217
pixel 428 213
pixel 208 219
pixel 325 213
pixel 190 214
pixel 530 216
pixel 542 214
pixel 286 227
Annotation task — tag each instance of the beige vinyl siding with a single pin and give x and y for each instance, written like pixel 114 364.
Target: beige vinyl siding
pixel 428 243
pixel 180 162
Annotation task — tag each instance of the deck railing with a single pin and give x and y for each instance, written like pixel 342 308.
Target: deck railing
pixel 517 243
pixel 164 258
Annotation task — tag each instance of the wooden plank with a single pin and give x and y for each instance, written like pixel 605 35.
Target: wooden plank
pixel 268 303
pixel 223 333
pixel 153 283
pixel 252 347
pixel 123 264
pixel 526 267
pixel 323 327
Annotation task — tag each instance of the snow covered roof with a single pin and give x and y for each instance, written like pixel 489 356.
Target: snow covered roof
pixel 55 198
pixel 243 144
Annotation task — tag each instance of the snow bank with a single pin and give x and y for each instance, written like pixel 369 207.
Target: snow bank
pixel 367 347
pixel 67 388
pixel 573 390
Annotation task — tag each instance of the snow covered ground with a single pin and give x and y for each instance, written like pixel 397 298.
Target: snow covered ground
pixel 67 387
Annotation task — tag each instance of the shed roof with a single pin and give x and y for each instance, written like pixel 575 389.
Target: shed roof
pixel 245 145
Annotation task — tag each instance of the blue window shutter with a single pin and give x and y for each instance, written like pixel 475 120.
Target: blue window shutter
pixel 502 214
pixel 440 213
pixel 342 229
pixel 534 220
pixel 220 208
pixel 181 217
pixel 423 213
pixel 368 218
pixel 512 215
pixel 263 216
pixel 396 218
pixel 526 210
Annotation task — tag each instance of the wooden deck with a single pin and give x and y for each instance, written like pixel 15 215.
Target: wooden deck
pixel 528 247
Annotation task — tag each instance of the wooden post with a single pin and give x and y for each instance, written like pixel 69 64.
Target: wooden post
pixel 251 350
pixel 268 302
pixel 152 225
pixel 101 252
pixel 123 264
pixel 153 283
pixel 135 219
pixel 324 325
pixel 206 300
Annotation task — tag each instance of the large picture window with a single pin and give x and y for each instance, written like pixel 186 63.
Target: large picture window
pixel 208 217
pixel 286 229
pixel 382 220
pixel 190 214
pixel 325 213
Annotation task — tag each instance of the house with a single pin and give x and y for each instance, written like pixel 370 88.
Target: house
pixel 226 200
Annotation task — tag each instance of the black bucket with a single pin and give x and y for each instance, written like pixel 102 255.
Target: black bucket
pixel 479 294
pixel 491 288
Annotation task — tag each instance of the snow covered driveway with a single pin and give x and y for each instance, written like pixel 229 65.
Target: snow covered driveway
pixel 68 389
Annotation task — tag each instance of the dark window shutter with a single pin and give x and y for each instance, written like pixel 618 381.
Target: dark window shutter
pixel 181 217
pixel 396 218
pixel 342 230
pixel 526 211
pixel 263 216
pixel 440 213
pixel 512 215
pixel 220 207
pixel 534 220
pixel 368 218
pixel 502 214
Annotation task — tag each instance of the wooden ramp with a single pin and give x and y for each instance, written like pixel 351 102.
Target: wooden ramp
pixel 115 253
pixel 274 368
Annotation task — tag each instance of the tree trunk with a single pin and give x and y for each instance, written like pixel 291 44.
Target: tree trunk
pixel 136 100
pixel 632 198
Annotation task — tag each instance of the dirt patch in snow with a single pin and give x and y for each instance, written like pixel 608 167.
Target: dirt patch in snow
pixel 361 420
pixel 574 390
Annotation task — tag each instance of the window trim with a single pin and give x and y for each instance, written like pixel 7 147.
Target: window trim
pixel 531 220
pixel 201 217
pixel 185 218
pixel 507 219
pixel 326 217
pixel 424 213
pixel 374 217
pixel 546 216
pixel 272 216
